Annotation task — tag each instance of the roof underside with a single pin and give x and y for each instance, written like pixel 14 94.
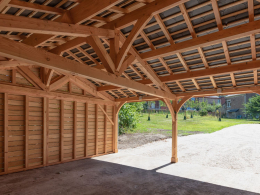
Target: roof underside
pixel 201 18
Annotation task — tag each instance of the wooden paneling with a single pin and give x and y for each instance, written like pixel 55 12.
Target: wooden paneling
pixel 2 132
pixel 54 141
pixel 16 132
pixel 38 131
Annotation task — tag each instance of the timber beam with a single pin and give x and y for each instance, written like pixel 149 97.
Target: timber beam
pixel 234 68
pixel 210 39
pixel 32 25
pixel 236 90
pixel 55 95
pixel 29 54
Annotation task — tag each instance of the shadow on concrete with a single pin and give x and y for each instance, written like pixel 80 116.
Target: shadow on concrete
pixel 91 176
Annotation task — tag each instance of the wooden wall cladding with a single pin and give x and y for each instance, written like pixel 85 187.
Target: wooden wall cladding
pixel 38 131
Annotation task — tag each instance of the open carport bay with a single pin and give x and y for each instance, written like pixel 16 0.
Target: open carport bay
pixel 225 162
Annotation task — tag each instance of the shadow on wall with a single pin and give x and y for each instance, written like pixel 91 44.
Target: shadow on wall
pixel 90 176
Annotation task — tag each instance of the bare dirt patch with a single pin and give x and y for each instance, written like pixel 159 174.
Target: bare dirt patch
pixel 133 140
pixel 138 139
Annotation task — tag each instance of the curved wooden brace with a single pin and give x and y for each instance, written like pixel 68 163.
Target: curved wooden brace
pixel 182 102
pixel 119 106
pixel 170 107
pixel 258 92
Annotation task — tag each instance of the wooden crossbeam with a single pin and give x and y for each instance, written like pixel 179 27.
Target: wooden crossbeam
pixel 204 60
pixel 98 65
pixel 88 87
pixel 251 10
pixel 217 14
pixel 152 8
pixel 137 99
pixel 183 62
pixel 141 23
pixel 213 82
pixel 255 77
pixel 3 4
pixel 234 68
pixel 129 60
pixel 49 77
pixel 180 86
pixel 99 48
pixel 210 39
pixel 22 52
pixel 31 77
pixel 35 7
pixel 196 84
pixel 187 20
pixel 88 9
pixel 108 117
pixel 253 48
pixel 145 67
pixel 31 25
pixel 237 90
pixel 58 84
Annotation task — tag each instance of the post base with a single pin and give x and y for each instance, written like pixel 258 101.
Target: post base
pixel 174 160
pixel 116 151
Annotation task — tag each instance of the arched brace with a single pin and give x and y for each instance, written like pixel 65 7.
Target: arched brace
pixel 119 106
pixel 115 127
pixel 182 102
pixel 170 107
pixel 258 92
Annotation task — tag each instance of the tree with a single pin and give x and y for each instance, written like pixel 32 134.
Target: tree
pixel 128 116
pixel 252 108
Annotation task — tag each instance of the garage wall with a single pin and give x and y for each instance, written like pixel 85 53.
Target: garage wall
pixel 38 131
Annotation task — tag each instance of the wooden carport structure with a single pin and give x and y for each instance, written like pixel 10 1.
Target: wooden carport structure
pixel 67 67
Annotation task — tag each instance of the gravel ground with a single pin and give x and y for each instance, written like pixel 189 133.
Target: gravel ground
pixel 236 147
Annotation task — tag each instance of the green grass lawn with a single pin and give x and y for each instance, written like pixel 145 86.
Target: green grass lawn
pixel 207 124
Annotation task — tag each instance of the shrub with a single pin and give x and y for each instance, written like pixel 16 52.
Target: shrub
pixel 128 116
pixel 210 108
pixel 203 112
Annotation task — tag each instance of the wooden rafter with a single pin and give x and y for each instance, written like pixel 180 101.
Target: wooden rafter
pixel 97 45
pixel 89 87
pixel 130 39
pixel 153 8
pixel 210 39
pixel 145 67
pixel 59 83
pixel 187 20
pixel 3 3
pixel 217 14
pixel 31 77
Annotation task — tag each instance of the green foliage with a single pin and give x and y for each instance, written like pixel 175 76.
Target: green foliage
pixel 252 108
pixel 210 108
pixel 203 112
pixel 129 116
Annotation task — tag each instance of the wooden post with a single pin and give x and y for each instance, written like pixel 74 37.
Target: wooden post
pixel 45 127
pixel 61 129
pixel 86 131
pixel 174 158
pixel 115 130
pixel 105 131
pixel 6 132
pixel 96 126
pixel 26 120
pixel 75 129
pixel 14 76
